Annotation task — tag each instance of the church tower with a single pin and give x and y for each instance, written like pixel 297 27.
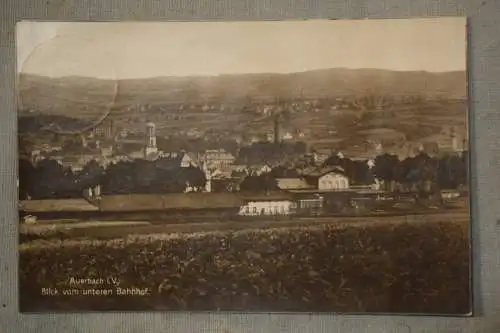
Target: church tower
pixel 150 140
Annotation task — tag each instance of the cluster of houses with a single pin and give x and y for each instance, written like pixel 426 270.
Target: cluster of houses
pixel 307 191
pixel 310 191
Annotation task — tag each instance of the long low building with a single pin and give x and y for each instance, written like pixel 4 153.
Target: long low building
pixel 177 201
pixel 280 203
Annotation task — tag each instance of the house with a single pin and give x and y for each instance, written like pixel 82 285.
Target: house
pixel 136 155
pixel 29 219
pixel 75 163
pixel 238 168
pixel 120 158
pixel 450 194
pixel 287 136
pixel 333 181
pixel 48 148
pixel 218 158
pixel 35 155
pixel 194 133
pixel 188 160
pixel 182 159
pixel 293 184
pixel 330 178
pixel 258 170
pixel 107 151
pixel 321 156
pixel 220 173
pixel 268 205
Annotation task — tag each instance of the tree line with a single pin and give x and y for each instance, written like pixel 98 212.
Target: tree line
pixel 48 179
pixel 449 171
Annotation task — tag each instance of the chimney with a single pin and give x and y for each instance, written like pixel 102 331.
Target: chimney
pixel 276 130
pixel 454 140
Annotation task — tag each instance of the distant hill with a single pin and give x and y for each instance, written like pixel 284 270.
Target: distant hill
pixel 84 96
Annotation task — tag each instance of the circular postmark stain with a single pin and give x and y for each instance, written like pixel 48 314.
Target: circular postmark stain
pixel 67 84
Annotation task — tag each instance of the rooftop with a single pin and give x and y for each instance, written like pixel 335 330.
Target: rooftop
pixel 292 183
pixel 271 196
pixel 325 170
pixel 56 205
pixel 143 202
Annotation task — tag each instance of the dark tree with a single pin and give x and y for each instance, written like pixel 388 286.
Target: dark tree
pixel 465 167
pixel 26 178
pixel 24 145
pixel 51 180
pixel 360 173
pixel 333 160
pixel 91 175
pixel 284 172
pixel 142 176
pixel 422 174
pixel 71 145
pixel 194 177
pixel 261 183
pixel 385 166
pixel 300 147
pixel 118 178
pixel 221 185
pixel 452 172
pixel 402 173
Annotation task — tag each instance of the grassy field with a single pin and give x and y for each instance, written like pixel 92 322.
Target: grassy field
pixel 419 265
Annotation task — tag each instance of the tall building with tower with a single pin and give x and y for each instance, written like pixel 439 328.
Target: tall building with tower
pixel 150 147
pixel 208 177
pixel 105 129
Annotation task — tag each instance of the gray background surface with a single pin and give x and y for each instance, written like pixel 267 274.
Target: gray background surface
pixel 484 69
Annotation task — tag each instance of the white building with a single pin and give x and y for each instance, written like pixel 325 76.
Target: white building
pixel 188 160
pixel 333 181
pixel 331 178
pixel 269 207
pixel 218 158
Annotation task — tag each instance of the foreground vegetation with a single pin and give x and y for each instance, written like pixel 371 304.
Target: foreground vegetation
pixel 380 267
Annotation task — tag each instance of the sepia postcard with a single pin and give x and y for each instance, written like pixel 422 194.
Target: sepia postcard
pixel 274 166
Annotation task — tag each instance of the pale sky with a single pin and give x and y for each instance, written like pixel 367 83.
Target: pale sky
pixel 136 50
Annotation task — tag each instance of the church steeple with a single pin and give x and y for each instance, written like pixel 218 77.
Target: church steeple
pixel 150 144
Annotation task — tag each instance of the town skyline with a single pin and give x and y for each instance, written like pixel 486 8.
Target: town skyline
pixel 119 50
